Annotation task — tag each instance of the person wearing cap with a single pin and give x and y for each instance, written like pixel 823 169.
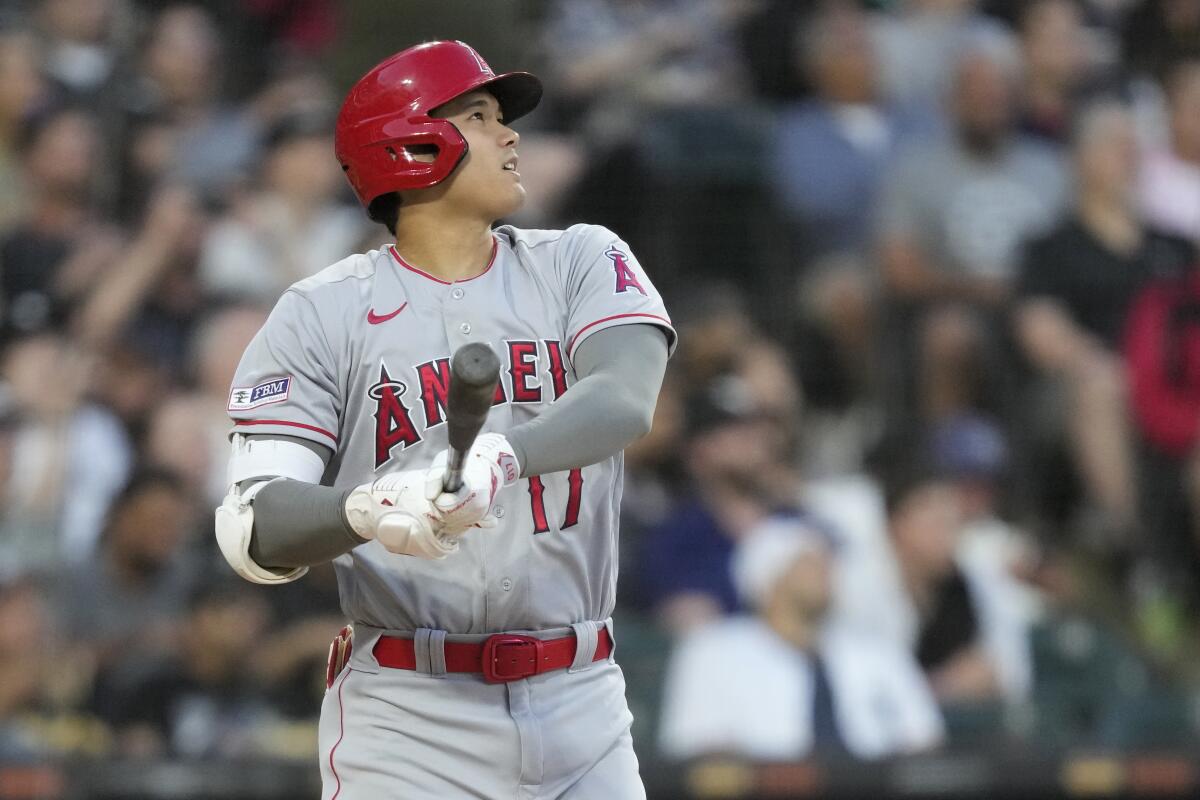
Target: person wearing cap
pixel 961 611
pixel 738 476
pixel 785 683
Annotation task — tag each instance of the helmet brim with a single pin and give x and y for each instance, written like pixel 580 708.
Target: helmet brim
pixel 517 92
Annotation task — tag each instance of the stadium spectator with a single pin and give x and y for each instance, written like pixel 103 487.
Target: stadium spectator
pixel 127 603
pixel 70 457
pixel 954 212
pixel 834 345
pixel 46 269
pixel 962 615
pixel 78 44
pixel 783 683
pixel 188 432
pixel 829 152
pixel 647 88
pixel 292 227
pixel 206 143
pixel 200 700
pixel 1057 67
pixel 616 60
pixel 1170 177
pixel 1162 354
pixel 289 665
pixel 919 44
pixel 973 452
pixel 653 482
pixel 738 474
pixel 44 678
pixel 1157 34
pixel 22 90
pixel 1074 292
pixel 953 215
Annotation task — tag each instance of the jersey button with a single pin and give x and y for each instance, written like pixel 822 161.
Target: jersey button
pixel 457 293
pixel 465 327
pixel 506 584
pixel 498 512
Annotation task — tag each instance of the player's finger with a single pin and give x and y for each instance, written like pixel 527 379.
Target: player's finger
pixel 449 502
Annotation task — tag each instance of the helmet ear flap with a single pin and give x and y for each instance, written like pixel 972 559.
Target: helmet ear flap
pixel 389 164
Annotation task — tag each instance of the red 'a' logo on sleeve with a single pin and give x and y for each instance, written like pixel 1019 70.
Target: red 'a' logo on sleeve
pixel 626 278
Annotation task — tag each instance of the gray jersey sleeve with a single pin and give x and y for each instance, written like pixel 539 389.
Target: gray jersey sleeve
pixel 605 286
pixel 286 382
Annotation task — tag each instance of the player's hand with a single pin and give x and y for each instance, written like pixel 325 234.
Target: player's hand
pixel 489 467
pixel 393 510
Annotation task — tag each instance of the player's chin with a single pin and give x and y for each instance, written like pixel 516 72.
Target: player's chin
pixel 511 198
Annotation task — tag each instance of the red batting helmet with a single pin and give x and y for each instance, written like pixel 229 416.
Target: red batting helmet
pixel 388 110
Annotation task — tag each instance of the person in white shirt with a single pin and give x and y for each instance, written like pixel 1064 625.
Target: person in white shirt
pixel 1169 185
pixel 785 684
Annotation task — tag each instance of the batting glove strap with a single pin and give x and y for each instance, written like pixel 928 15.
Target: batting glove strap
pixel 496 449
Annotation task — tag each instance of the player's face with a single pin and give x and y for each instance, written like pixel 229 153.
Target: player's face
pixel 487 181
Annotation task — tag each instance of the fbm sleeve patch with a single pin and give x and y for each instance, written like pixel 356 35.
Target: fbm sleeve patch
pixel 274 390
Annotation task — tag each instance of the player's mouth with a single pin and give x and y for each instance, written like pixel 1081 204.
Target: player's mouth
pixel 511 166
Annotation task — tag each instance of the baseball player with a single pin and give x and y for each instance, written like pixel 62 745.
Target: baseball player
pixel 480 663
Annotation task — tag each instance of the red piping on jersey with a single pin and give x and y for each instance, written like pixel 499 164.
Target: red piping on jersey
pixel 321 431
pixel 341 735
pixel 424 274
pixel 575 338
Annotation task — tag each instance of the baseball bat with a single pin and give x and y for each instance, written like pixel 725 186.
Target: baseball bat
pixel 474 370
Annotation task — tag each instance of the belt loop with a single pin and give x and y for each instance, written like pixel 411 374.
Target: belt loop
pixel 437 653
pixel 586 637
pixel 421 649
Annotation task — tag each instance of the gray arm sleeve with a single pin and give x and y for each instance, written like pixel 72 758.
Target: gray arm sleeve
pixel 298 524
pixel 620 372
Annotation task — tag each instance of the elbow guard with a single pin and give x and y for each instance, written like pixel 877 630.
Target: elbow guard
pixel 260 460
pixel 235 525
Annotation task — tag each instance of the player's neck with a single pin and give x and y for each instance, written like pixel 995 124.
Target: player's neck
pixel 449 249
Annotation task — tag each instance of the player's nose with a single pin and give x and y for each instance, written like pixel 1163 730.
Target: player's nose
pixel 509 137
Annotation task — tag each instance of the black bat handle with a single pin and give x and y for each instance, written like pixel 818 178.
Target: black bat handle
pixel 474 370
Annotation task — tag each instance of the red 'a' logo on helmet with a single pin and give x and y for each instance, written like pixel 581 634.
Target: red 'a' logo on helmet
pixel 626 278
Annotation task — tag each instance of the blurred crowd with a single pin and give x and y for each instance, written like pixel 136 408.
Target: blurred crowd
pixel 925 471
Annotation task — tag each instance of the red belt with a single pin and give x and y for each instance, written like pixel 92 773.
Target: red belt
pixel 501 658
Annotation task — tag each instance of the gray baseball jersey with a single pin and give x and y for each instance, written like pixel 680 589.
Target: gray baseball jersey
pixel 357 357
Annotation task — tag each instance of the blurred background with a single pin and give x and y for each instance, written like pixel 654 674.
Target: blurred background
pixel 923 489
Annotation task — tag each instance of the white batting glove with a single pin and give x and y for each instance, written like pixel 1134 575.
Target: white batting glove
pixel 489 467
pixel 393 511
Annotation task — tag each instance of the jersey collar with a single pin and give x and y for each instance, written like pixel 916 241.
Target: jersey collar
pixel 424 274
